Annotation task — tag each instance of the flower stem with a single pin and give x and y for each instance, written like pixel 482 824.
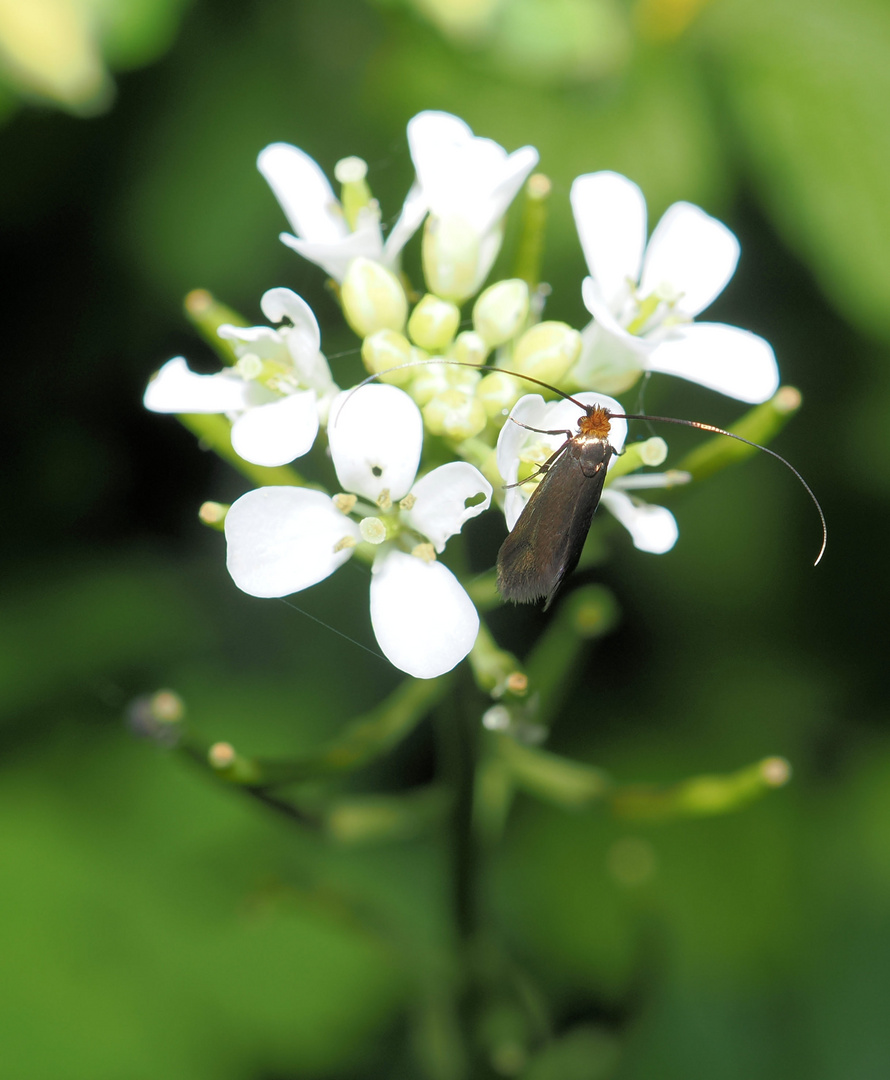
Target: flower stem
pixel 207 315
pixel 701 796
pixel 365 739
pixel 214 433
pixel 530 251
pixel 759 425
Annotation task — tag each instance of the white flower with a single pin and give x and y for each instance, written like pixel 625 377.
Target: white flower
pixel 323 235
pixel 466 183
pixel 644 298
pixel 275 394
pixel 283 539
pixel 652 528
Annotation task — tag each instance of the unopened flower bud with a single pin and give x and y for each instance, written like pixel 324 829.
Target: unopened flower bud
pixel 498 393
pixel 435 378
pixel 157 716
pixel 388 349
pixel 455 414
pixel 547 351
pixel 433 323
pixel 213 514
pixel 450 254
pixel 373 298
pixel 469 348
pixel 501 311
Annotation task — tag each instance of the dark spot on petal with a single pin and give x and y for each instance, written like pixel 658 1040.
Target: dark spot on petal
pixel 376 470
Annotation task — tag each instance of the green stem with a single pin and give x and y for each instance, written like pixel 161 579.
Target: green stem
pixel 701 796
pixel 214 432
pixel 759 425
pixel 530 252
pixel 207 315
pixel 361 742
pixel 558 780
pixel 588 612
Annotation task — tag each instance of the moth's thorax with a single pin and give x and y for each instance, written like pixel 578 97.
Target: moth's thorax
pixel 596 424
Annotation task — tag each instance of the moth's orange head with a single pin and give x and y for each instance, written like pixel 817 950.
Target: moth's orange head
pixel 596 423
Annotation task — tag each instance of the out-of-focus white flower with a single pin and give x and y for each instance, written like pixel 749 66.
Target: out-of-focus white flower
pixel 276 393
pixel 644 298
pixel 323 234
pixel 284 539
pixel 466 183
pixel 652 528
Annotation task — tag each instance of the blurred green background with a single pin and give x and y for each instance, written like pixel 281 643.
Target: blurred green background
pixel 155 924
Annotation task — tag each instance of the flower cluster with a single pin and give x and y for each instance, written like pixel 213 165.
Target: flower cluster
pixel 465 384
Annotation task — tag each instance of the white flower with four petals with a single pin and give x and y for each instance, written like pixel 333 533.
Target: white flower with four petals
pixel 652 528
pixel 284 539
pixel 323 235
pixel 275 395
pixel 644 298
pixel 466 183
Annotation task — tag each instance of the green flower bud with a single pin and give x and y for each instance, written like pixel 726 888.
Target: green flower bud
pixel 429 382
pixel 450 254
pixel 436 378
pixel 547 351
pixel 454 414
pixel 469 348
pixel 387 349
pixel 501 311
pixel 433 323
pixel 373 298
pixel 499 392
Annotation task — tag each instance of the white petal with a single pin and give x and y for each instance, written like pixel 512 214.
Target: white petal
pixel 433 139
pixel 609 361
pixel 691 253
pixel 303 192
pixel 530 410
pixel 262 341
pixel 413 212
pixel 376 436
pixel 504 183
pixel 463 175
pixel 282 539
pixel 652 528
pixel 277 433
pixel 424 622
pixel 440 510
pixel 176 389
pixel 335 256
pixel 724 358
pixel 610 215
pixel 279 304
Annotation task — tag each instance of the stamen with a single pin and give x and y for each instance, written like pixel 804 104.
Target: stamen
pixel 426 552
pixel 345 503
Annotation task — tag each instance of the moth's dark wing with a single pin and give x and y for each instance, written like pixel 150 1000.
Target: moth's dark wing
pixel 546 542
